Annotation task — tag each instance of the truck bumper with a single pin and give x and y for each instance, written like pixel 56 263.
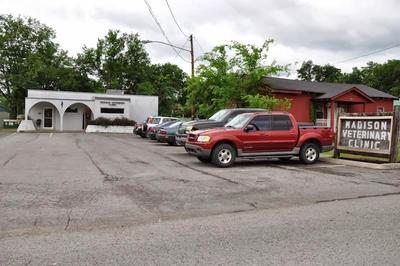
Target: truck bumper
pixel 197 150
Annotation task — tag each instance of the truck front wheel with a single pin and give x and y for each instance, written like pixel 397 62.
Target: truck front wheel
pixel 204 159
pixel 309 153
pixel 223 155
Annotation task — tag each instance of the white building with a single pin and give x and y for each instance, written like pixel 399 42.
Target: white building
pixel 66 110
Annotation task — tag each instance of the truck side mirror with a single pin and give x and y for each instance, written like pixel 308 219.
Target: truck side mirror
pixel 249 128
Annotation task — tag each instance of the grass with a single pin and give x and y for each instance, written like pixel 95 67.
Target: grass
pixel 363 157
pixel 10 130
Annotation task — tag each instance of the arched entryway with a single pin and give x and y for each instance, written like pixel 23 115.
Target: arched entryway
pixel 45 116
pixel 76 117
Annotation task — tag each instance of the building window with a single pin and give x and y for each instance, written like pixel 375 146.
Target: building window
pixel 319 111
pixel 381 109
pixel 112 110
pixel 71 110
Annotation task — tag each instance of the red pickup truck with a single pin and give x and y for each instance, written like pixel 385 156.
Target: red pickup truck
pixel 262 134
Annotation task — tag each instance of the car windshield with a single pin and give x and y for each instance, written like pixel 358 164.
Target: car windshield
pixel 239 121
pixel 219 116
pixel 155 120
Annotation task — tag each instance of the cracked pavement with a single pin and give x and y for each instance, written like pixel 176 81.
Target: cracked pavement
pixel 72 182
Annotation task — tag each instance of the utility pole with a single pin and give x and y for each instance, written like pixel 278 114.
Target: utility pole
pixel 191 53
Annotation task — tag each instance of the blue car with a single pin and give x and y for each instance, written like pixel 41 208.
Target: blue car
pixel 167 133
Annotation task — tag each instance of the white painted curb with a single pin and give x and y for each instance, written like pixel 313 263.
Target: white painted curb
pixel 109 129
pixel 381 166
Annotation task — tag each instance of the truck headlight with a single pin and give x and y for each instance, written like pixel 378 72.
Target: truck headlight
pixel 188 130
pixel 203 139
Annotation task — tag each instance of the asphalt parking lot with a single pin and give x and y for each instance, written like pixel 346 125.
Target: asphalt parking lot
pixel 76 182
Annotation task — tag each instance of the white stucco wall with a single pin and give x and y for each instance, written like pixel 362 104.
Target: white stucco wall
pixel 136 107
pixel 75 121
pixel 36 112
pixel 110 102
pixel 143 107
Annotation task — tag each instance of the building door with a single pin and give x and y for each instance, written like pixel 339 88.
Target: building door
pixel 48 114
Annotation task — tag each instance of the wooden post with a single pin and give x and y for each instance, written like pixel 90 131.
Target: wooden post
pixel 336 152
pixel 395 135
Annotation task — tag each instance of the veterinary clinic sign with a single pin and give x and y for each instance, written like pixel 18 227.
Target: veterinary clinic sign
pixel 368 134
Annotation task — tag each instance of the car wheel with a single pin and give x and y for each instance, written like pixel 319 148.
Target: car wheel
pixel 224 155
pixel 309 153
pixel 203 159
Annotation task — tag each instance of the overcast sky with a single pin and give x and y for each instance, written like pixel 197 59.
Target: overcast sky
pixel 320 30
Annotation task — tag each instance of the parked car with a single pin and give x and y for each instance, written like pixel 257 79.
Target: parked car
pixel 219 119
pixel 154 121
pixel 263 134
pixel 167 133
pixel 152 131
pixel 138 129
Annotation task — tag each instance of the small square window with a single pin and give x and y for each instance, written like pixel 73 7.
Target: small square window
pixel 381 109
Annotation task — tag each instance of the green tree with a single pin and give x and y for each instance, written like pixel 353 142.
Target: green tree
pixel 30 59
pixel 118 62
pixel 356 76
pixel 384 77
pixel 268 102
pixel 326 73
pixel 227 74
pixel 167 81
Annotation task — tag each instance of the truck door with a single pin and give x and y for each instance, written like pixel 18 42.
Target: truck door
pixel 282 135
pixel 255 140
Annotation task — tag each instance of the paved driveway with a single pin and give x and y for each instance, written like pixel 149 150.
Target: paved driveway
pixel 73 181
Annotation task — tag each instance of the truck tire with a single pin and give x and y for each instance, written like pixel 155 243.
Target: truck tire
pixel 309 153
pixel 203 159
pixel 223 155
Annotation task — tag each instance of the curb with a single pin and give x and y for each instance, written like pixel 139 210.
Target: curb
pixel 382 166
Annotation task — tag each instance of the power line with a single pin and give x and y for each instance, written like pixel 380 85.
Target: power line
pixel 198 43
pixel 176 22
pixel 162 30
pixel 183 46
pixel 370 53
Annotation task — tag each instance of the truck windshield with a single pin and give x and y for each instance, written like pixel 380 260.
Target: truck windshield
pixel 239 121
pixel 220 115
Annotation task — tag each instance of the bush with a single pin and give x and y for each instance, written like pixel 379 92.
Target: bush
pixel 269 103
pixel 105 122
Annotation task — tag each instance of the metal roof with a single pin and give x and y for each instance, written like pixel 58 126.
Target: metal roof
pixel 327 90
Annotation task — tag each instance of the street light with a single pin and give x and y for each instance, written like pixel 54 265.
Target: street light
pixel 191 51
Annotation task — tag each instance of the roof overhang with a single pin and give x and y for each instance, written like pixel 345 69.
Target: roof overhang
pixel 286 91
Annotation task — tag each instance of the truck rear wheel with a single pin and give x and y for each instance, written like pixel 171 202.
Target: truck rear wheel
pixel 223 155
pixel 309 153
